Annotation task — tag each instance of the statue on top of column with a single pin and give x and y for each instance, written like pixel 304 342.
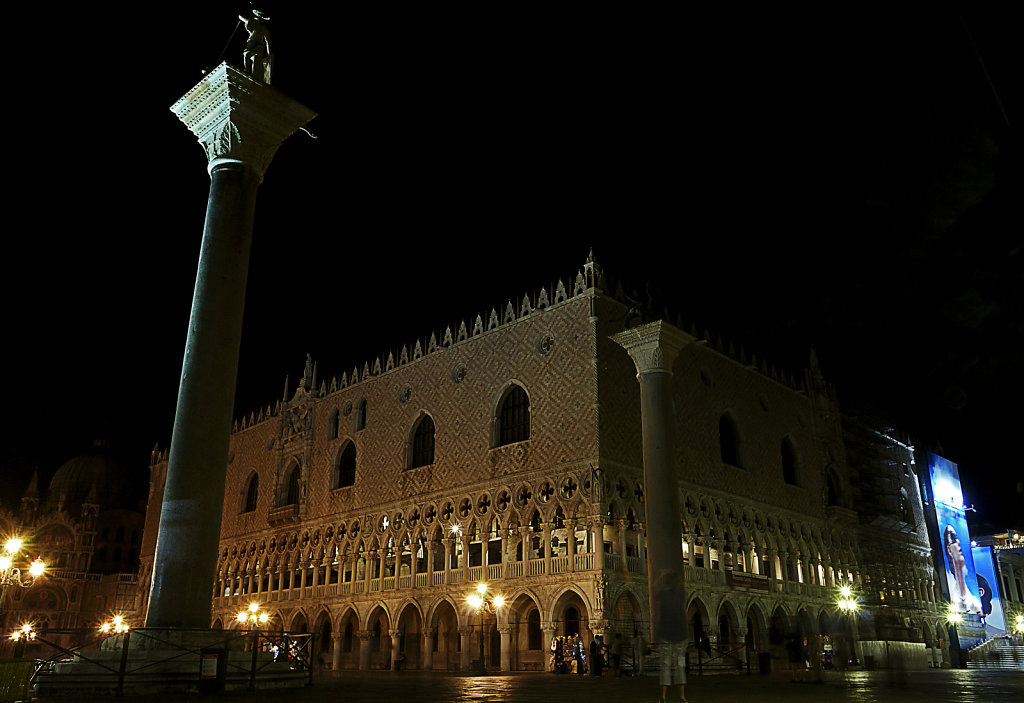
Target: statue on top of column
pixel 257 60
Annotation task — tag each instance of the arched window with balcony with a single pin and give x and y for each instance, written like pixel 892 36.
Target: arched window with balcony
pixel 290 495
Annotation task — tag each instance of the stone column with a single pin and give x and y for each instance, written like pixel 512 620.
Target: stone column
pixel 364 649
pixel 506 647
pixel 428 649
pixel 465 633
pixel 504 533
pixel 620 540
pixel 396 649
pixel 653 348
pixel 240 122
pixel 570 533
pixel 464 566
pixel 525 534
pixel 431 546
pixel 448 541
pixel 545 646
pixel 546 526
pixel 368 567
pixel 597 530
pixel 336 652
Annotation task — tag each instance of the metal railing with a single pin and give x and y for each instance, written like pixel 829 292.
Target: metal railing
pixel 99 660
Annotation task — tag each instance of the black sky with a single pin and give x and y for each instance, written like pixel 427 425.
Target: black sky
pixel 846 181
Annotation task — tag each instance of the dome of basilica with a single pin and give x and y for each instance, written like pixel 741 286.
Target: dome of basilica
pixel 95 469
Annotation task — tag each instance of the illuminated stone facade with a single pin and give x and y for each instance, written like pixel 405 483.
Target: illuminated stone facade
pixel 86 526
pixel 364 508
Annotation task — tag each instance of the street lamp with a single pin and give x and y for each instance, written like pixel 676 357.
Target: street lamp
pixel 484 602
pixel 847 602
pixel 253 616
pixel 953 616
pixel 22 636
pixel 115 626
pixel 12 575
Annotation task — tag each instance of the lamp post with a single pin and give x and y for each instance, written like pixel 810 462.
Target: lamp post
pixel 849 605
pixel 253 617
pixel 11 574
pixel 23 635
pixel 484 601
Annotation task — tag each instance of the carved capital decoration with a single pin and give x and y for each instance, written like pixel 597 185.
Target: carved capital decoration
pixel 653 347
pixel 237 118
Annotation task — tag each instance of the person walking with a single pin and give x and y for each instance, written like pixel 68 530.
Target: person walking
pixel 595 656
pixel 616 654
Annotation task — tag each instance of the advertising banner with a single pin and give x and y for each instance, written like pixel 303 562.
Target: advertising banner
pixel 954 538
pixel 988 590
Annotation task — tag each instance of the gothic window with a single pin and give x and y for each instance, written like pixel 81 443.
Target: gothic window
pixel 359 422
pixel 904 508
pixel 833 489
pixel 513 417
pixel 332 425
pixel 729 441
pixel 291 496
pixel 790 462
pixel 252 493
pixel 423 443
pixel 345 469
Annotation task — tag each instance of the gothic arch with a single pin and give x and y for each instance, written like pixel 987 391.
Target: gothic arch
pixel 343 464
pixel 511 415
pixel 420 441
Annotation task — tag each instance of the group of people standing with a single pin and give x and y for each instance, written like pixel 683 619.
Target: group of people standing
pixel 569 655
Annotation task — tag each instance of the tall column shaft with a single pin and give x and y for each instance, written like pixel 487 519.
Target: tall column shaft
pixel 186 554
pixel 240 122
pixel 653 347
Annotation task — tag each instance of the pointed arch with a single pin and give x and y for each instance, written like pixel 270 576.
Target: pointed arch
pixel 510 418
pixel 729 444
pixel 791 464
pixel 343 471
pixel 250 493
pixel 420 443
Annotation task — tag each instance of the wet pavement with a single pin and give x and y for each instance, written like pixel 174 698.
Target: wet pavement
pixel 962 686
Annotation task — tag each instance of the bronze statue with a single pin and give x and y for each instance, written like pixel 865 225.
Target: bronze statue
pixel 257 60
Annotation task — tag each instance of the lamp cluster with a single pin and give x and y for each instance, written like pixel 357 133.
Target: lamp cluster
pixel 25 633
pixel 11 575
pixel 1018 625
pixel 115 626
pixel 954 616
pixel 253 617
pixel 479 599
pixel 847 601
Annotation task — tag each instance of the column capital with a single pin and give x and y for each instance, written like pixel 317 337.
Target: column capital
pixel 653 346
pixel 239 119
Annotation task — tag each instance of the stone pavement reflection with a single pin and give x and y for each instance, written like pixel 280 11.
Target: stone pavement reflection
pixel 967 686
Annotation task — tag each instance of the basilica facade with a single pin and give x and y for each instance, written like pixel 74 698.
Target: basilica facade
pixel 86 526
pixel 366 508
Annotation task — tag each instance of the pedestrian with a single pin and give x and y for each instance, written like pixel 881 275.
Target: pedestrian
pixel 616 654
pixel 595 656
pixel 673 670
pixel 639 650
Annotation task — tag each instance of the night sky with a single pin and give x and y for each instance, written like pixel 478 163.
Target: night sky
pixel 851 182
